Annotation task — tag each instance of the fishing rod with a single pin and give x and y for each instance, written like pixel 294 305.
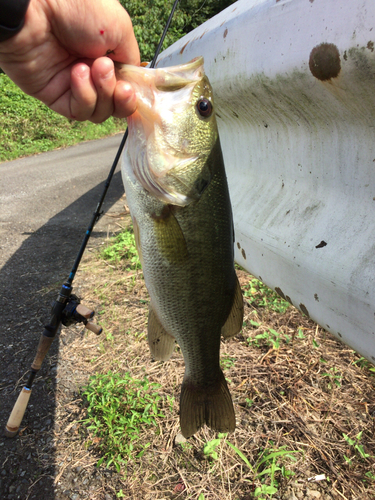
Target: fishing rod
pixel 67 308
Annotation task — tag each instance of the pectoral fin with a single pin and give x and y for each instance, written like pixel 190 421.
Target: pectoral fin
pixel 137 239
pixel 233 324
pixel 160 342
pixel 169 237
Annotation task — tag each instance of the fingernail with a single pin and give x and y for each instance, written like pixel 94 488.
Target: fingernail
pixel 83 72
pixel 127 88
pixel 108 74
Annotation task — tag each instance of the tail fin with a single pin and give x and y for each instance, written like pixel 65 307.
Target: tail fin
pixel 211 405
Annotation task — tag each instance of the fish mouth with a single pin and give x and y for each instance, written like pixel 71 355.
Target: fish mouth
pixel 161 94
pixel 147 82
pixel 164 79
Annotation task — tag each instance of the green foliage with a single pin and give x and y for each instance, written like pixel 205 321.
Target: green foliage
pixel 365 364
pixel 119 407
pixel 269 338
pixel 150 16
pixel 315 344
pixel 259 295
pixel 249 402
pixel 198 11
pixel 300 334
pixel 227 362
pixel 267 467
pixel 334 377
pixel 358 447
pixel 122 247
pixel 209 449
pixel 28 126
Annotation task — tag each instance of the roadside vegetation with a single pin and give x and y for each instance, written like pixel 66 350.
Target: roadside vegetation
pixel 303 401
pixel 28 127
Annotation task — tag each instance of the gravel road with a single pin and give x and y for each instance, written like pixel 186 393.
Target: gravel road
pixel 47 202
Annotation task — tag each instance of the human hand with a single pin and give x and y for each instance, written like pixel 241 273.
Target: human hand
pixel 59 57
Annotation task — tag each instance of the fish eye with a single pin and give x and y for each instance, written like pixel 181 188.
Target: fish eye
pixel 204 107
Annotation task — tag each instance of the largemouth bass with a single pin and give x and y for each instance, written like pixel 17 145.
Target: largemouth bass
pixel 177 192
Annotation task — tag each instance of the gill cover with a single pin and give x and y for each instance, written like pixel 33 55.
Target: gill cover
pixel 173 130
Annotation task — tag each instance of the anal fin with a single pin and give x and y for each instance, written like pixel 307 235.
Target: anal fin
pixel 233 324
pixel 160 342
pixel 208 404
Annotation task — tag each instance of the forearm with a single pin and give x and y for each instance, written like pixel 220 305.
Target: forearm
pixel 12 17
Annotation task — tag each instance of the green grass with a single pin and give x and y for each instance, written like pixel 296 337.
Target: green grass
pixel 259 295
pixel 269 338
pixel 268 470
pixel 122 247
pixel 29 127
pixel 119 409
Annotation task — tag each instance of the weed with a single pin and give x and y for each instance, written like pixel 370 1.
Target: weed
pixel 186 446
pixel 334 376
pixel 209 449
pixel 249 402
pixel 315 344
pixel 109 336
pixel 260 295
pixel 254 323
pixel 171 401
pixel 358 448
pixel 270 338
pixel 118 407
pixel 122 247
pixel 363 363
pixel 266 467
pixel 227 362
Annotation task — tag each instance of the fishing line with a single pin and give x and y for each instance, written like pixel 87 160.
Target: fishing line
pixel 67 308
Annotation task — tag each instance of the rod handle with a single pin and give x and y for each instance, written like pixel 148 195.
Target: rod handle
pixel 17 414
pixel 84 311
pixel 43 347
pixel 94 328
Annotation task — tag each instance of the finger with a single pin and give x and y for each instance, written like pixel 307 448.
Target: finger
pixel 124 99
pixel 103 76
pixel 83 93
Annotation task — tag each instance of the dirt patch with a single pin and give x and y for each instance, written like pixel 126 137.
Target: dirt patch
pixel 294 388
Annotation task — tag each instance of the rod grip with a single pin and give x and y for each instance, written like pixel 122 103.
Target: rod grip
pixel 17 414
pixel 94 328
pixel 84 311
pixel 43 346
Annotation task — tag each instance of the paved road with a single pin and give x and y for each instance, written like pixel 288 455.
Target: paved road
pixel 46 204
